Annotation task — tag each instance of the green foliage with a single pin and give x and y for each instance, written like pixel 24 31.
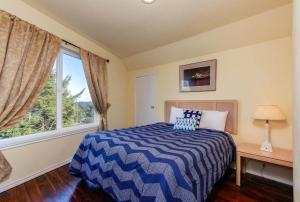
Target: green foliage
pixel 42 116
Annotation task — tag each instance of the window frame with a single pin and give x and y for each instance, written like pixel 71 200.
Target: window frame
pixel 60 131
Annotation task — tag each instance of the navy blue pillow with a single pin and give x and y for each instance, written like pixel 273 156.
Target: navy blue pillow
pixel 193 114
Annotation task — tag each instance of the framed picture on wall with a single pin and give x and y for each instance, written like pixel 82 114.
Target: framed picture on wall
pixel 198 77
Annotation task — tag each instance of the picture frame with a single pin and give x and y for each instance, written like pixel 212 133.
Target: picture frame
pixel 198 77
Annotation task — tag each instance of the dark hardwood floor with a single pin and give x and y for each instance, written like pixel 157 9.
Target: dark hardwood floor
pixel 58 185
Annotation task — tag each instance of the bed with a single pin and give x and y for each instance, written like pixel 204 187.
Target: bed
pixel 156 162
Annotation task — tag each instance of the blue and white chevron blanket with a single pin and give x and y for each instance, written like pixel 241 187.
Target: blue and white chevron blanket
pixel 154 162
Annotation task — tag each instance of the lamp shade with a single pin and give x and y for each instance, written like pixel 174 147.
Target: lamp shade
pixel 268 112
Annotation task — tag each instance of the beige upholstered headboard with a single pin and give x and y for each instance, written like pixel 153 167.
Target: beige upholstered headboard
pixel 218 105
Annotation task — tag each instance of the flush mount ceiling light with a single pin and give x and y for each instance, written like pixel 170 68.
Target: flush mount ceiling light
pixel 148 1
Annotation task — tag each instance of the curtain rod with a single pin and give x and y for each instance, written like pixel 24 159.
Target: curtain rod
pixel 107 60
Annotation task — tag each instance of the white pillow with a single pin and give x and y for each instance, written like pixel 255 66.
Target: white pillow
pixel 213 120
pixel 175 112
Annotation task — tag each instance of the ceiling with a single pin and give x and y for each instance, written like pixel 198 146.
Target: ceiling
pixel 128 27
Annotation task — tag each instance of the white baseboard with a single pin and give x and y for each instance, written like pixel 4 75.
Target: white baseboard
pixel 5 186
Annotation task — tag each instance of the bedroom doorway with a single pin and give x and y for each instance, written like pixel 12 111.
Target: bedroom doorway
pixel 145 100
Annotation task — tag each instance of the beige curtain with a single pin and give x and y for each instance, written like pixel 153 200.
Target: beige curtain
pixel 96 74
pixel 27 55
pixel 5 168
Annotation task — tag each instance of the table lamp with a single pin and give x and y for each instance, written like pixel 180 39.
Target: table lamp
pixel 268 113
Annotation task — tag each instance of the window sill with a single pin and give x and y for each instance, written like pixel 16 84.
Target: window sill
pixel 14 142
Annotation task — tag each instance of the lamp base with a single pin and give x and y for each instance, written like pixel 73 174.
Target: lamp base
pixel 266 146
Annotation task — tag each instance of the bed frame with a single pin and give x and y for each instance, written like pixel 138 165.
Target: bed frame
pixel 218 105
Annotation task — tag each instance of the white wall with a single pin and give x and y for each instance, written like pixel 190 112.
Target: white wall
pixel 296 35
pixel 35 158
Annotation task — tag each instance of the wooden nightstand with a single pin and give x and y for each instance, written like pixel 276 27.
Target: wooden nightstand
pixel 281 157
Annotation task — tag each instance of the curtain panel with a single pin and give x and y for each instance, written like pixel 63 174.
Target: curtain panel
pixel 27 55
pixel 96 74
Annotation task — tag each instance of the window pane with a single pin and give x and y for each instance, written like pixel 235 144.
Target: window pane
pixel 42 116
pixel 77 104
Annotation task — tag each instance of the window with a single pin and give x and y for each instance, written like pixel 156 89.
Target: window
pixel 77 103
pixel 64 102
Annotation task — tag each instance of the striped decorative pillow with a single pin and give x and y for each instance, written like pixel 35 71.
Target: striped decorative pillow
pixel 193 114
pixel 185 123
